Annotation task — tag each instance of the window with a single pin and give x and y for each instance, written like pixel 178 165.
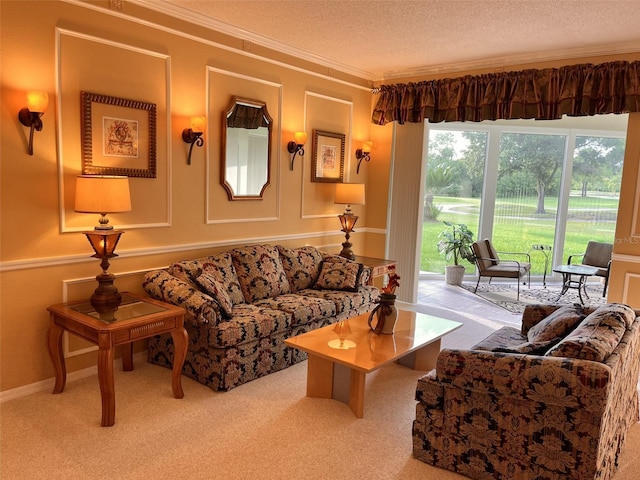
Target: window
pixel 522 184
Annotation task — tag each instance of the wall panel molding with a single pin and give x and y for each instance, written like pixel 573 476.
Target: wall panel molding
pixel 267 210
pixel 62 115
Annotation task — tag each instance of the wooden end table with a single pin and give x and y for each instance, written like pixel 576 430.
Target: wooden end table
pixel 137 317
pixel 378 266
pixel 338 372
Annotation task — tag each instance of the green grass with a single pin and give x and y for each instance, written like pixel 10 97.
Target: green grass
pixel 517 227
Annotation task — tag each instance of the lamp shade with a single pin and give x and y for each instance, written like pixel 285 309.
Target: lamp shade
pixel 102 194
pixel 37 101
pixel 350 193
pixel 198 124
pixel 301 138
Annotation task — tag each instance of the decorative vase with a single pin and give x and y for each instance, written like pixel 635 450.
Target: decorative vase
pixel 385 313
pixel 453 274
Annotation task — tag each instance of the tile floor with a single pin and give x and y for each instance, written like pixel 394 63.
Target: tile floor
pixel 436 293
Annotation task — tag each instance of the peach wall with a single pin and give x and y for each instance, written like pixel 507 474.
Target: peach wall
pixel 184 212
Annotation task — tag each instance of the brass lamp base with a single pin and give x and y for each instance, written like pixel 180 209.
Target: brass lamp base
pixel 106 298
pixel 347 252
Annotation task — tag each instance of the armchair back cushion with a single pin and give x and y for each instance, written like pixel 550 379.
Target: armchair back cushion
pixel 598 254
pixel 483 255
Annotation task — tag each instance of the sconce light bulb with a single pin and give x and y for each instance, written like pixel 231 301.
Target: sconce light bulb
pixel 198 124
pixel 37 101
pixel 366 147
pixel 301 138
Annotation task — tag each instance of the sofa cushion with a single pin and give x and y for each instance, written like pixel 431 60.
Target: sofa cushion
pixel 260 272
pixel 346 301
pixel 186 271
pixel 505 337
pixel 248 323
pixel 339 276
pixel 221 266
pixel 303 309
pixel 556 325
pixel 528 348
pixel 216 289
pixel 596 336
pixel 301 265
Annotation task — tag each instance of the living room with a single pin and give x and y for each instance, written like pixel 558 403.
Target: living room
pixel 67 47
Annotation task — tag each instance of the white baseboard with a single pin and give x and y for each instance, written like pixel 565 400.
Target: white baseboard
pixel 50 382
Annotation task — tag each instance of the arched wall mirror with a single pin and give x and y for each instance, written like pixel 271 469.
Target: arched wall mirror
pixel 246 149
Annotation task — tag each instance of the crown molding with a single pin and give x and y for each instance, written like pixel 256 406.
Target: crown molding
pixel 222 27
pixel 513 60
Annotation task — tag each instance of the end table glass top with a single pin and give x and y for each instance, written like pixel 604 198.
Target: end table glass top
pixel 130 308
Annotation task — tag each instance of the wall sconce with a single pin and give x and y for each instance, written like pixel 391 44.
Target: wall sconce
pixel 363 154
pixel 296 147
pixel 193 135
pixel 29 116
pixel 103 194
pixel 348 194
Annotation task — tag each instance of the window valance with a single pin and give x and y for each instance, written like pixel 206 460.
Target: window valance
pixel 575 90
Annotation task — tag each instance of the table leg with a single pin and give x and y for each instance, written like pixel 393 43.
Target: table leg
pixel 107 388
pixel 54 344
pixel 127 357
pixel 582 287
pixel 424 358
pixel 319 377
pixel 180 340
pixel 566 282
pixel 356 393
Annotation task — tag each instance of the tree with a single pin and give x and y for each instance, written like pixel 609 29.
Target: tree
pixel 597 159
pixel 538 156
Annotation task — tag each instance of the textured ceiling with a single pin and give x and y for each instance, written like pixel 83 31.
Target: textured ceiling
pixel 381 39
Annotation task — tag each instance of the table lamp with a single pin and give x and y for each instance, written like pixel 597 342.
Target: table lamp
pixel 348 194
pixel 103 195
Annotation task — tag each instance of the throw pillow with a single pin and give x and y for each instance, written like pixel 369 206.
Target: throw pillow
pixel 302 266
pixel 556 325
pixel 339 276
pixel 260 272
pixel 595 338
pixel 221 267
pixel 217 291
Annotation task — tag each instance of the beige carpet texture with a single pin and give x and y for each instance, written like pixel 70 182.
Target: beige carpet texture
pixel 266 429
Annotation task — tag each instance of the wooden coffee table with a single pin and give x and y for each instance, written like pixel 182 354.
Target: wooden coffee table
pixel 339 373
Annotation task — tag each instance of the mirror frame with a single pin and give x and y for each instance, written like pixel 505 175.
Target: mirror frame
pixel 223 154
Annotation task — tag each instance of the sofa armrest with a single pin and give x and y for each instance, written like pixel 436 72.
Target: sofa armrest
pixel 200 307
pixel 549 380
pixel 430 391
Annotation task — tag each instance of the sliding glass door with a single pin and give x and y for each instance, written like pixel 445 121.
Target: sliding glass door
pixel 522 186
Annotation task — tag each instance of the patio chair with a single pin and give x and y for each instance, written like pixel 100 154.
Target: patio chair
pixel 490 265
pixel 598 255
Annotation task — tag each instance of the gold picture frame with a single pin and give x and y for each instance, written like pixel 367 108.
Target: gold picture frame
pixel 328 157
pixel 118 136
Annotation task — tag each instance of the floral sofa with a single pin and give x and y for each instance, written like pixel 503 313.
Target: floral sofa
pixel 552 400
pixel 242 304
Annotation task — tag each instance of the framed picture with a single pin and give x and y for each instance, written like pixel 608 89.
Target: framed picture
pixel 328 157
pixel 118 136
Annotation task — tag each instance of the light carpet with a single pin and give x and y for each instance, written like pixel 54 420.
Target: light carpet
pixel 505 295
pixel 266 429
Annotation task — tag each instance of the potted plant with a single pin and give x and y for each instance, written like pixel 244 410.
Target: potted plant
pixel 455 243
